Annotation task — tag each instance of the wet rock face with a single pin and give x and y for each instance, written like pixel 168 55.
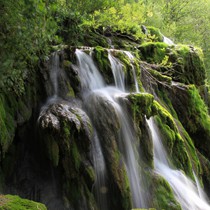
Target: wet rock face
pixel 67 132
pixel 56 115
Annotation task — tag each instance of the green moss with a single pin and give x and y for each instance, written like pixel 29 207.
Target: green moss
pixel 154 34
pixel 181 62
pixel 11 202
pixel 141 104
pixel 190 64
pixel 70 90
pixel 198 111
pixel 52 149
pixel 7 127
pixel 173 141
pixel 76 156
pixel 163 95
pixel 101 58
pixel 163 195
pixel 160 77
pixel 166 117
pixel 153 52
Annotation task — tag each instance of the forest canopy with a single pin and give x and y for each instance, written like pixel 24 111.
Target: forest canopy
pixel 30 28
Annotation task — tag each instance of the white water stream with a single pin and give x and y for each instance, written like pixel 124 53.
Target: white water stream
pixel 131 57
pixel 54 73
pixel 117 70
pixel 187 193
pixel 92 80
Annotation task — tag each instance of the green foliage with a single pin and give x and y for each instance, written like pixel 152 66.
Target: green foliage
pixel 11 202
pixel 27 28
pixel 7 128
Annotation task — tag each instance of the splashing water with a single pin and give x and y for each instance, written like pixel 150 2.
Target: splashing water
pixel 186 192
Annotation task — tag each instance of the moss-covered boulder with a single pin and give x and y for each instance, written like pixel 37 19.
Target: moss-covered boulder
pixel 12 202
pixel 182 63
pixel 67 133
pixel 193 114
pixel 162 194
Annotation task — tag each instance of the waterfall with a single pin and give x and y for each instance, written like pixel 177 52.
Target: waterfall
pixel 91 78
pixel 54 73
pixel 117 70
pixel 131 57
pixel 88 72
pixel 100 186
pixel 186 192
pixel 167 40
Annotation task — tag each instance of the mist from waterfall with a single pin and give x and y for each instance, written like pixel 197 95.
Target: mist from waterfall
pixel 186 192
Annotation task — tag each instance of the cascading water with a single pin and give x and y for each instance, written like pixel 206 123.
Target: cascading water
pixel 100 187
pixel 92 79
pixel 88 72
pixel 54 73
pixel 131 57
pixel 117 70
pixel 186 192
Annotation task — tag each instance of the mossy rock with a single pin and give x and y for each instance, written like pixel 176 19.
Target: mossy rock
pixel 12 202
pixel 153 52
pixel 193 114
pixel 154 34
pixel 107 122
pixel 174 142
pixel 130 67
pixel 101 59
pixel 141 104
pixel 181 62
pixel 162 194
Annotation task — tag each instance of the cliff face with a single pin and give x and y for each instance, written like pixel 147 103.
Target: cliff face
pixel 71 141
